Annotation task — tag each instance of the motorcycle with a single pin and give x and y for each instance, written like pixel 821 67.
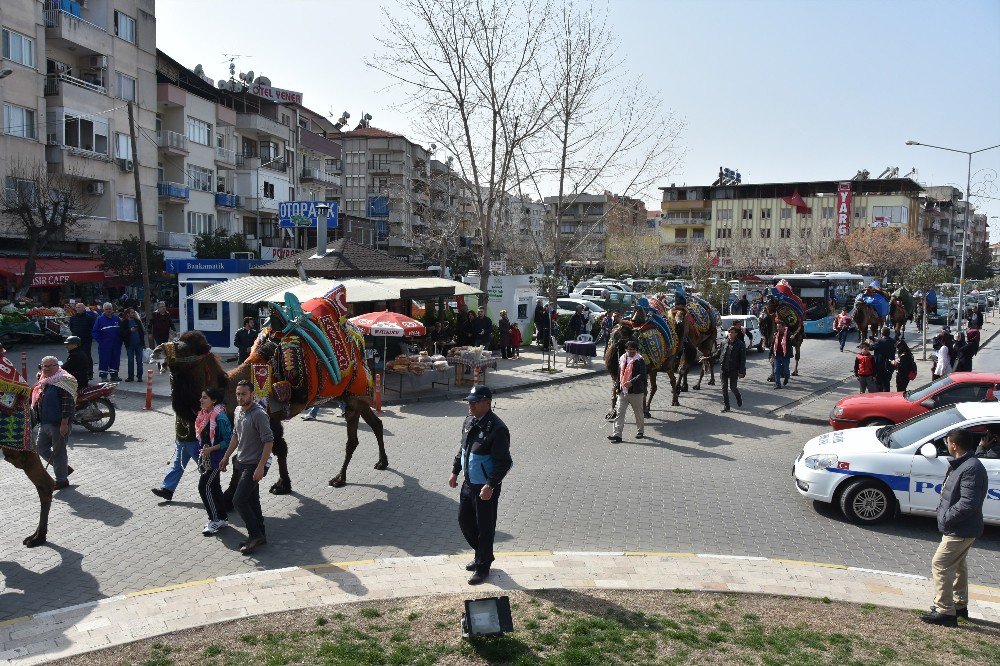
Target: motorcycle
pixel 95 410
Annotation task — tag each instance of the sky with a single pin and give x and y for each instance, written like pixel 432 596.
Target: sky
pixel 782 90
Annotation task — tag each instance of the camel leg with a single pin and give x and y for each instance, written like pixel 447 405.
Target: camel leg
pixel 649 397
pixel 353 416
pixel 798 354
pixel 711 372
pixel 375 423
pixel 283 485
pixel 31 465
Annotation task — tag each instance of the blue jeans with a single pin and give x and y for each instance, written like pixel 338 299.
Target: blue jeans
pixel 842 337
pixel 183 452
pixel 134 354
pixel 780 369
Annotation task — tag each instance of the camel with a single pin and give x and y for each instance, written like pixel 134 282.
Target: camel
pixel 31 464
pixel 865 317
pixel 700 338
pixel 898 317
pixel 193 366
pixel 795 337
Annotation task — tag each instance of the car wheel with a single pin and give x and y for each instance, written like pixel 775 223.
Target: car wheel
pixel 877 422
pixel 867 502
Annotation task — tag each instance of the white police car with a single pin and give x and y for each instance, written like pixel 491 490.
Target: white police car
pixel 871 473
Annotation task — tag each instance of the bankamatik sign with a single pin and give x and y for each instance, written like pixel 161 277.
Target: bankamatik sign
pixel 843 209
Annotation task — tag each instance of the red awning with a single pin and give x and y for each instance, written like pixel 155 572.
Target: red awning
pixel 53 272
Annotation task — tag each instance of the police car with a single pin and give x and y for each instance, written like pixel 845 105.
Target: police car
pixel 876 472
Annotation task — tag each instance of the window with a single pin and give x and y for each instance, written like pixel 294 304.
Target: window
pixel 125 87
pixel 747 213
pixel 125 27
pixel 765 213
pixel 18 191
pixel 784 233
pixel 123 146
pixel 747 233
pixel 19 121
pixel 765 233
pixel 860 212
pixel 726 214
pixel 268 190
pixel 826 212
pixel 786 213
pixel 884 216
pixel 567 228
pixel 827 232
pixel 83 132
pixel 199 178
pixel 199 131
pixel 19 48
pixel 125 208
pixel 805 233
pixel 723 233
pixel 199 223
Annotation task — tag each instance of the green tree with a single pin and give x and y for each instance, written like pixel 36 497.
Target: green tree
pixel 923 277
pixel 977 266
pixel 123 259
pixel 219 244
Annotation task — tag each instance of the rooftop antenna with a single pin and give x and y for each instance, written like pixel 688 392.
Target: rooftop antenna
pixel 231 59
pixel 340 121
pixel 365 120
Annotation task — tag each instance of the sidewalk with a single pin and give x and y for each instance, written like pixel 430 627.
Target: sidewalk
pixel 148 613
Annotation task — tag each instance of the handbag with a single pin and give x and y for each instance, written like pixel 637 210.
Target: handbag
pixel 912 374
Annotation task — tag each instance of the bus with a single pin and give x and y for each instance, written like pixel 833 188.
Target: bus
pixel 823 294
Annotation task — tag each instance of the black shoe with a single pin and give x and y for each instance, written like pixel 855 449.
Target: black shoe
pixel 252 544
pixel 69 470
pixel 129 379
pixel 940 619
pixel 115 378
pixel 640 436
pixel 786 381
pixel 471 566
pixel 614 438
pixel 726 408
pixel 479 577
pixel 61 484
pixel 739 401
pixel 960 611
pixel 164 493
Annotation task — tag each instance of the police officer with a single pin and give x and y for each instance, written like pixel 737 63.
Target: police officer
pixel 485 457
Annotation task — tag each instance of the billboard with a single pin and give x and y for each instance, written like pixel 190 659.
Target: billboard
pixel 276 94
pixel 304 214
pixel 843 209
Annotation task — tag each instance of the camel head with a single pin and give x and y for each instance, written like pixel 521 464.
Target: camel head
pixel 191 346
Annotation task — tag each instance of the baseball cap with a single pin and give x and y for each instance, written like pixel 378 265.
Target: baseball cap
pixel 72 340
pixel 479 393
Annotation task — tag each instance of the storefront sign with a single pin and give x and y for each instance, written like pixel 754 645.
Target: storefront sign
pixel 272 253
pixel 305 214
pixel 49 280
pixel 212 265
pixel 276 94
pixel 843 209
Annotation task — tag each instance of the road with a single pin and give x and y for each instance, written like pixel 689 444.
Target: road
pixel 702 482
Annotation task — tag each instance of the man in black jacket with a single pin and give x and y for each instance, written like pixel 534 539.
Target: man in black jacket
pixel 81 325
pixel 482 328
pixel 77 363
pixel 733 365
pixel 960 521
pixel 485 457
pixel 885 353
pixel 244 339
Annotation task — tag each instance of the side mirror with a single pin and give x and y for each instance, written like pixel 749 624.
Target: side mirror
pixel 928 403
pixel 928 450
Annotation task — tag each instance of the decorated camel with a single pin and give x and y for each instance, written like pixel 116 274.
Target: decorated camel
pixel 667 344
pixel 784 305
pixel 309 353
pixel 873 308
pixel 16 446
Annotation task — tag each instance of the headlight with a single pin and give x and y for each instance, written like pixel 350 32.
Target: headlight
pixel 838 411
pixel 821 461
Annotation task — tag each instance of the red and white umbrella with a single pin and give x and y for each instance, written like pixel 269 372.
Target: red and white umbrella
pixel 386 323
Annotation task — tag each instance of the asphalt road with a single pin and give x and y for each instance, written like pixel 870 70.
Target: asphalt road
pixel 702 482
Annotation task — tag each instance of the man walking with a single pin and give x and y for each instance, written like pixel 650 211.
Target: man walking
pixel 782 349
pixel 482 328
pixel 245 337
pixel 842 324
pixel 975 317
pixel 252 441
pixel 77 362
pixel 107 332
pixel 631 390
pixel 81 325
pixel 162 325
pixel 53 401
pixel 733 365
pixel 485 458
pixel 885 352
pixel 960 521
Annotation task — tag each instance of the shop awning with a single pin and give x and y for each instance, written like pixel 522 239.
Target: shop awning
pixel 51 272
pixel 256 288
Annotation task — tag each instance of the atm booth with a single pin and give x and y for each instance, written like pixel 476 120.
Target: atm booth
pixel 218 320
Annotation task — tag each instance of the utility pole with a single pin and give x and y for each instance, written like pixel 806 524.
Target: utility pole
pixel 143 259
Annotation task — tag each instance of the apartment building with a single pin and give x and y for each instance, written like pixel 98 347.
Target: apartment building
pixel 583 225
pixel 685 221
pixel 74 66
pixel 943 224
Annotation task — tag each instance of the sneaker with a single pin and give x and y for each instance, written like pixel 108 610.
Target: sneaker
pixel 960 611
pixel 640 436
pixel 210 528
pixel 308 417
pixel 479 577
pixel 614 438
pixel 725 409
pixel 940 619
pixel 472 566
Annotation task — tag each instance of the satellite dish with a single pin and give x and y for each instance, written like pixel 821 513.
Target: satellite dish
pixel 199 70
pixel 263 80
pixel 367 116
pixel 345 114
pixel 223 84
pixel 248 77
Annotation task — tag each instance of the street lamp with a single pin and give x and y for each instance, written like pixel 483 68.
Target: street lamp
pixel 965 234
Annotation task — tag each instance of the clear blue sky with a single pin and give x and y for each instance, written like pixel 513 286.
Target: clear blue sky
pixel 783 90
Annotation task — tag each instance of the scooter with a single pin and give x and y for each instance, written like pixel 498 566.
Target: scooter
pixel 95 410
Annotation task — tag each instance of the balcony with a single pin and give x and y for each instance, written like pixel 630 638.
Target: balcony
pixel 262 125
pixel 172 143
pixel 266 162
pixel 685 221
pixel 385 166
pixel 54 85
pixel 693 204
pixel 66 30
pixel 319 144
pixel 223 200
pixel 173 192
pixel 310 174
pixel 170 240
pixel 253 204
pixel 225 158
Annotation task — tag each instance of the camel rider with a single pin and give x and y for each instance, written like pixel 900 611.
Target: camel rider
pixel 650 314
pixel 903 295
pixel 875 297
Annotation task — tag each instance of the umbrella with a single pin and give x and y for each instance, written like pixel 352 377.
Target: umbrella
pixel 410 326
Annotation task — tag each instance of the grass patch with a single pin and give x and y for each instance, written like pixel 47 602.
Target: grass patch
pixel 574 628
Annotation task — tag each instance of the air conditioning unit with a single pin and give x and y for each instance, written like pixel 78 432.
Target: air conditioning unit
pixel 95 187
pixel 128 166
pixel 97 62
pixel 242 255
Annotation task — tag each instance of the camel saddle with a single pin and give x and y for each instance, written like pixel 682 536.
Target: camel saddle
pixel 700 315
pixel 15 421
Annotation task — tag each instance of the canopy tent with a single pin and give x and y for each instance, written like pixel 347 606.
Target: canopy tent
pixel 53 272
pixel 257 288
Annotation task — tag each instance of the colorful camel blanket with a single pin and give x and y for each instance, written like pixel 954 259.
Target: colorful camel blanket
pixel 877 301
pixel 654 348
pixel 701 314
pixel 904 296
pixel 15 423
pixel 789 308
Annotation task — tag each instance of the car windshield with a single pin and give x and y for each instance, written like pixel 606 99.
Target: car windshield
pixel 920 427
pixel 924 392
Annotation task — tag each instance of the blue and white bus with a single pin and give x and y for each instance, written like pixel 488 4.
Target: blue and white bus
pixel 823 294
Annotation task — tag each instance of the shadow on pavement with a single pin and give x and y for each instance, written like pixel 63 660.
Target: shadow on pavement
pixel 91 507
pixel 35 584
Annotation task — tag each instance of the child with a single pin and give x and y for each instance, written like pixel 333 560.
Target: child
pixel 864 369
pixel 515 340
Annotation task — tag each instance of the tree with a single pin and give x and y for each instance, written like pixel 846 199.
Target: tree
pixel 218 244
pixel 977 264
pixel 123 259
pixel 884 251
pixel 924 277
pixel 632 248
pixel 40 207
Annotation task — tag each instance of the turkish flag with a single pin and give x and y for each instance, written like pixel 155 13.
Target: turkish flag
pixel 797 201
pixel 843 465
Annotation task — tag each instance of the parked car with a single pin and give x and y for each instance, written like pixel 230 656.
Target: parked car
pixel 567 306
pixel 750 324
pixel 597 294
pixel 947 311
pixel 868 409
pixel 873 473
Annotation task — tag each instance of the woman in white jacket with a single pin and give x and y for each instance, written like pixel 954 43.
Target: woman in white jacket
pixel 943 365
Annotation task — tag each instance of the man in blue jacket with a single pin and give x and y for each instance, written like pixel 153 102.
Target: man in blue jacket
pixel 107 332
pixel 960 521
pixel 485 457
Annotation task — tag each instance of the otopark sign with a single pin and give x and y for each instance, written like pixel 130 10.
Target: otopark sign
pixel 305 214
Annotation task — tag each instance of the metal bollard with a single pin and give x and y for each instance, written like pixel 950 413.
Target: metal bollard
pixel 475 376
pixel 378 393
pixel 149 389
pixel 24 365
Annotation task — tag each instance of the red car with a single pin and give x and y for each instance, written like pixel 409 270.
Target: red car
pixel 868 409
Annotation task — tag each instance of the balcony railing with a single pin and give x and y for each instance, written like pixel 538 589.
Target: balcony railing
pixel 225 156
pixel 227 200
pixel 315 173
pixel 685 221
pixel 53 84
pixel 172 141
pixel 173 191
pixel 55 18
pixel 171 240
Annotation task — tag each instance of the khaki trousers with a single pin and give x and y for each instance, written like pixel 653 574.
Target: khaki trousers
pixel 636 402
pixel 951 574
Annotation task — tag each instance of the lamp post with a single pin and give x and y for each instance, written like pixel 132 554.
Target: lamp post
pixel 965 225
